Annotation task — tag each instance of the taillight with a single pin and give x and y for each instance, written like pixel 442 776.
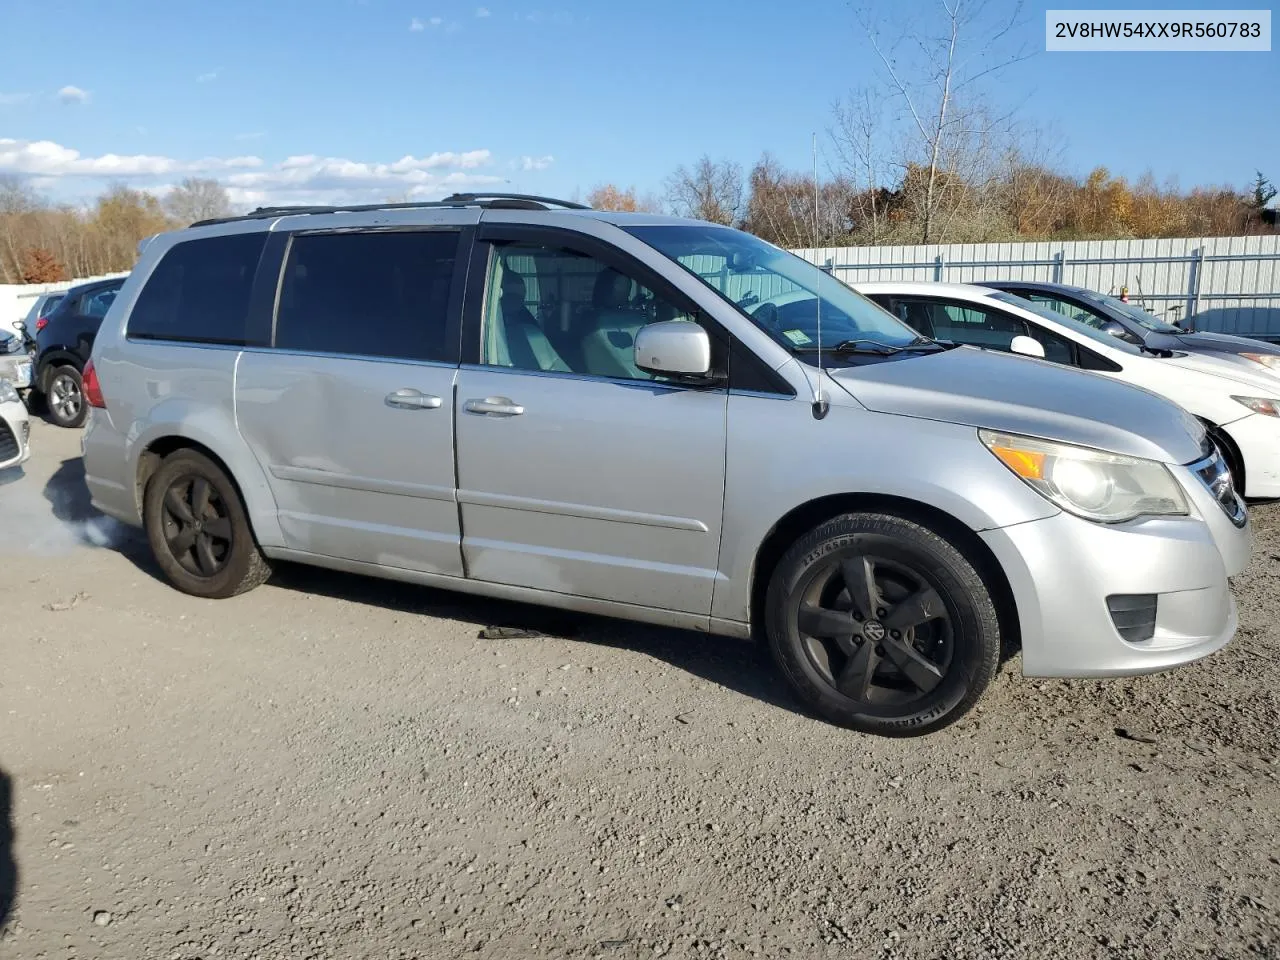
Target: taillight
pixel 91 388
pixel 42 323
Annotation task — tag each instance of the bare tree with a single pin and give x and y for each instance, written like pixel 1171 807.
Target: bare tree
pixel 712 190
pixel 197 199
pixel 951 139
pixel 858 137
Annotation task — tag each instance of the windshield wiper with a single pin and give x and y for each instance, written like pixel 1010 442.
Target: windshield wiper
pixel 861 345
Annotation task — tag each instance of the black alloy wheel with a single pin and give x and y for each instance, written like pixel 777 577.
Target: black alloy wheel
pixel 197 526
pixel 877 631
pixel 883 625
pixel 198 529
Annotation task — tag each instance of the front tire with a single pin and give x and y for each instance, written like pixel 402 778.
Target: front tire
pixel 881 625
pixel 64 397
pixel 198 529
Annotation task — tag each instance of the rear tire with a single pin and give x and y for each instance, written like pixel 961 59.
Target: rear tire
pixel 198 529
pixel 881 625
pixel 64 397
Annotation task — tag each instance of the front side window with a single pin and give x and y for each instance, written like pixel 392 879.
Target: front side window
pixel 552 309
pixel 199 291
pixel 782 294
pixel 1083 329
pixel 377 294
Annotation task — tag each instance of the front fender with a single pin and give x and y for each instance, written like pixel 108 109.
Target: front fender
pixel 779 458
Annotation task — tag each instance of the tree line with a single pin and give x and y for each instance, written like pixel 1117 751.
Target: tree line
pixel 45 242
pixel 1025 201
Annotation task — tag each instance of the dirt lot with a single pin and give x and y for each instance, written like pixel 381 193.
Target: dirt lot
pixel 338 767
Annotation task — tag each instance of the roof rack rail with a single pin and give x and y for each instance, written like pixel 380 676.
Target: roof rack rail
pixel 518 201
pixel 535 202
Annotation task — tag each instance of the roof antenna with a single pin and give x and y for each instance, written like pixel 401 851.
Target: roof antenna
pixel 820 404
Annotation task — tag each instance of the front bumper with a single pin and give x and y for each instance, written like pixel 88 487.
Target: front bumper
pixel 1258 438
pixel 15 435
pixel 16 368
pixel 1062 570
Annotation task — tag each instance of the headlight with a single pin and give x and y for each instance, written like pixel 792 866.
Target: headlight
pixel 1100 486
pixel 1270 360
pixel 1263 405
pixel 7 392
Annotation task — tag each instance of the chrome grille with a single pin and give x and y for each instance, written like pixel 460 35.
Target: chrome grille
pixel 1213 473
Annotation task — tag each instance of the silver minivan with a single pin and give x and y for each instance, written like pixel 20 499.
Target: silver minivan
pixel 657 419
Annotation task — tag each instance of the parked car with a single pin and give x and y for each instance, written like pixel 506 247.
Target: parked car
pixel 1130 322
pixel 63 345
pixel 15 362
pixel 1238 404
pixel 41 307
pixel 15 428
pixel 527 399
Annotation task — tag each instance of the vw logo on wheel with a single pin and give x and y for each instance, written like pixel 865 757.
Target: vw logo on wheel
pixel 873 630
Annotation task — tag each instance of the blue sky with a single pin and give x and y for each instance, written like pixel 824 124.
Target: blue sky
pixel 379 98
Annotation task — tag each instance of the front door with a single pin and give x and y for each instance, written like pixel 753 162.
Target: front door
pixel 351 412
pixel 578 473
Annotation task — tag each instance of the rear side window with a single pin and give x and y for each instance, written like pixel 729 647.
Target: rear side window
pixel 199 291
pixel 382 294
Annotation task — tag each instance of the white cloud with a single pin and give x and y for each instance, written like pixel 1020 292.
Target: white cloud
pixel 482 12
pixel 536 163
pixel 9 99
pixel 416 25
pixel 207 77
pixel 70 94
pixel 436 21
pixel 303 178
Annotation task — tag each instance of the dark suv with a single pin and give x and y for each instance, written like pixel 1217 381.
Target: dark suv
pixel 63 345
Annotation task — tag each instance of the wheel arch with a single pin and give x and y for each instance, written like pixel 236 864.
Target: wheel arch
pixel 1230 450
pixel 806 516
pixel 256 501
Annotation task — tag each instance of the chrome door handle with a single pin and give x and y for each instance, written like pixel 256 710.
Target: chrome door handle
pixel 412 399
pixel 494 407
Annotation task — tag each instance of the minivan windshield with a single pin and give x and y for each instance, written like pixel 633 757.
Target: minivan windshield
pixel 782 294
pixel 1062 320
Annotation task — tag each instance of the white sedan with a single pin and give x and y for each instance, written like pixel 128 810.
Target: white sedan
pixel 1241 407
pixel 15 428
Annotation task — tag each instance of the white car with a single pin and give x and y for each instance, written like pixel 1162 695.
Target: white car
pixel 1241 407
pixel 15 428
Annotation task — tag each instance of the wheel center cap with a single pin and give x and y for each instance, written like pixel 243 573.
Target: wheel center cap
pixel 199 526
pixel 873 630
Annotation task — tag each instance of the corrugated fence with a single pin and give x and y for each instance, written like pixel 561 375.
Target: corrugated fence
pixel 1223 284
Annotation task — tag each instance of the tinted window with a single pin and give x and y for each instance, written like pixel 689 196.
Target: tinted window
pixel 199 291
pixel 1068 309
pixel 550 308
pixel 369 294
pixel 96 304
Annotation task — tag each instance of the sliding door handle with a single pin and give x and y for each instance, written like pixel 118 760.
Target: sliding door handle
pixel 494 407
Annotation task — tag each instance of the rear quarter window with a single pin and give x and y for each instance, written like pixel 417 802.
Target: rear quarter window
pixel 199 292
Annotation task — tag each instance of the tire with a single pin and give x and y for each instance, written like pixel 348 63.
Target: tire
pixel 64 397
pixel 925 659
pixel 216 557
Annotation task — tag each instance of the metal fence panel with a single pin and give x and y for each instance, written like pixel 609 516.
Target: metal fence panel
pixel 1224 284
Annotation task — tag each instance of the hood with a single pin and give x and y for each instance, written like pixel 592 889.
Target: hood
pixel 1226 342
pixel 1258 380
pixel 1017 394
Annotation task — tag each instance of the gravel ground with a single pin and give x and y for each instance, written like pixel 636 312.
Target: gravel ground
pixel 334 767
